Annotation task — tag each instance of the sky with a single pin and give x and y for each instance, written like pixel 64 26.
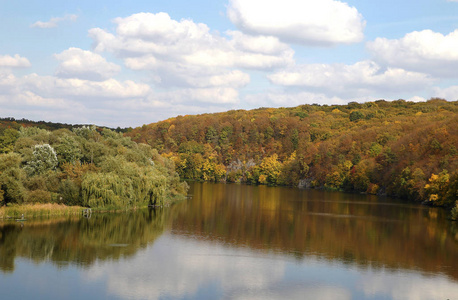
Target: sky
pixel 129 63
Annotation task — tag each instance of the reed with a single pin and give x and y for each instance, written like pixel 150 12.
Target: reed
pixel 38 210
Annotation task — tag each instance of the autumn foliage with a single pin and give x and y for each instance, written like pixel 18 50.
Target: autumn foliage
pixel 399 148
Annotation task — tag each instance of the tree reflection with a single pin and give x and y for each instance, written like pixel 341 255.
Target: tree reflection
pixel 354 229
pixel 78 240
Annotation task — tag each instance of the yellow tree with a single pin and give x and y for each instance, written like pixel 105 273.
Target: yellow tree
pixel 437 187
pixel 271 168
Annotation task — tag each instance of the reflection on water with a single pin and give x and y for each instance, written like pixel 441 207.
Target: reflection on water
pixel 238 242
pixel 351 228
pixel 78 240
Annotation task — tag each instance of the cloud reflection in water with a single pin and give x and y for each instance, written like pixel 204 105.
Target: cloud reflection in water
pixel 183 267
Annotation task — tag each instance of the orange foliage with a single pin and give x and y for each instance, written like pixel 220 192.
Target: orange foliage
pixel 380 141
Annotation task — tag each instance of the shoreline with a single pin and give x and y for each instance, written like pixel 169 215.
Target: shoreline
pixel 22 212
pixel 37 210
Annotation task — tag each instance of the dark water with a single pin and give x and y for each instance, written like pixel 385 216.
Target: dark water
pixel 237 242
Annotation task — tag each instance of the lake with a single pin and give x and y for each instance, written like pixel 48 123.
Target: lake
pixel 231 241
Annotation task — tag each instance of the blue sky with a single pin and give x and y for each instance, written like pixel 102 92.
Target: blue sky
pixel 129 63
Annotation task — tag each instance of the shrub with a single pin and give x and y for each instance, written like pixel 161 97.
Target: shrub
pixel 38 196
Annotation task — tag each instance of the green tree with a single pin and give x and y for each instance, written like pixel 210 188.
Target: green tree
pixel 356 115
pixel 68 150
pixel 8 139
pixel 12 177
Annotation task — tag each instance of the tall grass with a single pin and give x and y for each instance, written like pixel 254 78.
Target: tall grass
pixel 38 210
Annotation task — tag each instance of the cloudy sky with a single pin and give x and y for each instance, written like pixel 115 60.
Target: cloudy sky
pixel 129 63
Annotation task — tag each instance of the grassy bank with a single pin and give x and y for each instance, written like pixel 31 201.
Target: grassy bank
pixel 38 210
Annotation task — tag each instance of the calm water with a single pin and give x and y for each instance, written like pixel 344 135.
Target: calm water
pixel 237 242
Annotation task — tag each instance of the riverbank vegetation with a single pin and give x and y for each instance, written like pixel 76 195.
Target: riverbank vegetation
pixel 85 166
pixel 399 148
pixel 20 212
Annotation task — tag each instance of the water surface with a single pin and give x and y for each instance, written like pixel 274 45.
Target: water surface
pixel 237 242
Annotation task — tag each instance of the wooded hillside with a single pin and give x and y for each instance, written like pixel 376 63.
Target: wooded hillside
pixel 88 166
pixel 398 148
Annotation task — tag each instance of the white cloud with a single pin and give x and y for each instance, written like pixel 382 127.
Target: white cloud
pixel 53 22
pixel 449 93
pixel 360 79
pixel 78 63
pixel 290 99
pixel 34 92
pixel 233 78
pixel 184 53
pixel 84 90
pixel 416 99
pixel 309 22
pixel 423 51
pixel 109 102
pixel 15 61
pixel 32 106
pixel 257 44
pixel 185 42
pixel 196 96
pixel 30 99
pixel 8 84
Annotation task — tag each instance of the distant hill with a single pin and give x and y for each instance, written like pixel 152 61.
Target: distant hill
pixel 13 123
pixel 398 148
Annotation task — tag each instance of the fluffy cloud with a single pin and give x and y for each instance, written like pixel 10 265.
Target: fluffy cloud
pixel 15 61
pixel 423 51
pixel 53 22
pixel 30 99
pixel 49 86
pixel 187 54
pixel 291 98
pixel 449 93
pixel 194 96
pixel 78 63
pixel 360 79
pixel 8 83
pixel 117 103
pixel 44 91
pixel 308 22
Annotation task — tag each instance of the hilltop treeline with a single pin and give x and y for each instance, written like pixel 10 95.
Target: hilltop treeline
pixel 87 166
pixel 11 122
pixel 398 148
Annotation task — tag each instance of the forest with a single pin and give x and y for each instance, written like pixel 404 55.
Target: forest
pixel 85 166
pixel 397 148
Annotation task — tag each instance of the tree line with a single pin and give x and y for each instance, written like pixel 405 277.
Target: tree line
pixel 397 148
pixel 86 166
